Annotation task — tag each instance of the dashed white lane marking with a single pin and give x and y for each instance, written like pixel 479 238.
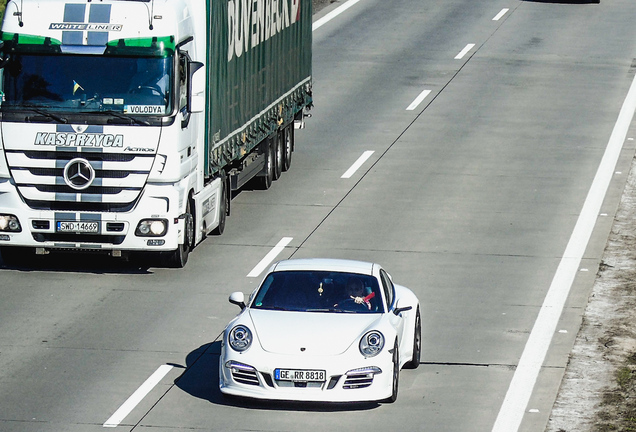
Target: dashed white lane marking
pixel 137 397
pixel 501 14
pixel 331 15
pixel 357 164
pixel 465 51
pixel 271 256
pixel 523 382
pixel 418 100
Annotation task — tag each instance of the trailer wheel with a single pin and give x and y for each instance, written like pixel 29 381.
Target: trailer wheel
pixel 278 155
pixel 266 179
pixel 288 146
pixel 179 257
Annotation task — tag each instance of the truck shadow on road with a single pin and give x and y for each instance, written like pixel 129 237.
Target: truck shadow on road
pixel 80 263
pixel 201 380
pixel 563 1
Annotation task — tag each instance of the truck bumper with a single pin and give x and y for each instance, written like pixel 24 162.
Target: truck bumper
pixel 96 231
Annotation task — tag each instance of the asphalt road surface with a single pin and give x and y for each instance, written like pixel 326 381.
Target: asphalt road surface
pixel 481 125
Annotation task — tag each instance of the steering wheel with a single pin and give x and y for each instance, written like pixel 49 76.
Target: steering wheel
pixel 351 305
pixel 154 88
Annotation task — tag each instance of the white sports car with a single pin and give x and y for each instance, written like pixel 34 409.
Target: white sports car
pixel 321 330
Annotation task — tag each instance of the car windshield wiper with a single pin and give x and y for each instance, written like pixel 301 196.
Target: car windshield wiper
pixel 331 309
pixel 46 114
pixel 280 308
pixel 129 119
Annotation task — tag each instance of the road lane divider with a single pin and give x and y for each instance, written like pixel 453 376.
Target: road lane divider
pixel 357 164
pixel 501 14
pixel 137 397
pixel 418 100
pixel 270 257
pixel 465 51
pixel 524 379
pixel 331 15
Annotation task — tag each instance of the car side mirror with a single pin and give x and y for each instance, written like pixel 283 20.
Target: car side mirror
pixel 398 309
pixel 238 298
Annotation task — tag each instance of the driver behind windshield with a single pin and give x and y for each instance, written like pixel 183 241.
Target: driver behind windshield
pixel 149 78
pixel 356 292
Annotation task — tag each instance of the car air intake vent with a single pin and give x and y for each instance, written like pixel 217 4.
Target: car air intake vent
pixel 358 381
pixel 244 376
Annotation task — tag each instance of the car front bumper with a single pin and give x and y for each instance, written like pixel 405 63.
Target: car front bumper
pixel 349 376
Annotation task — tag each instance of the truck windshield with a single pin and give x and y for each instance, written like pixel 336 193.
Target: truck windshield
pixel 73 83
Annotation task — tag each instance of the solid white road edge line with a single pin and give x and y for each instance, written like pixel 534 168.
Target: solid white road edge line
pixel 418 100
pixel 357 164
pixel 463 52
pixel 512 410
pixel 137 397
pixel 500 14
pixel 331 15
pixel 267 260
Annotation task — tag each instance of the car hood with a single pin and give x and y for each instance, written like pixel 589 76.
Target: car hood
pixel 315 333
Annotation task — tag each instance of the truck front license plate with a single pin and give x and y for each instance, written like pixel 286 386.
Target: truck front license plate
pixel 78 227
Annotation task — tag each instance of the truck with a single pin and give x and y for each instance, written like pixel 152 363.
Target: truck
pixel 127 125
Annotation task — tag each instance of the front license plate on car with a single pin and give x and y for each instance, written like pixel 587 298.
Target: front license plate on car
pixel 300 375
pixel 78 227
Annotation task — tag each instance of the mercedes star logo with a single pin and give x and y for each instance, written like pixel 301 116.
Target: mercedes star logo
pixel 79 174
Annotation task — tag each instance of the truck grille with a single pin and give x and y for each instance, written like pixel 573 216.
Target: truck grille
pixel 39 176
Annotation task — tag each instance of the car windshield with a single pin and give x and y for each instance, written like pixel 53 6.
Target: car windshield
pixel 87 83
pixel 319 291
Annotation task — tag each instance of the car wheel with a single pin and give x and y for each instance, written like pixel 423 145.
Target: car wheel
pixel 417 342
pixel 396 375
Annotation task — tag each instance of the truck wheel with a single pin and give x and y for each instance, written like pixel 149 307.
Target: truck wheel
pixel 278 156
pixel 288 146
pixel 179 257
pixel 222 210
pixel 266 179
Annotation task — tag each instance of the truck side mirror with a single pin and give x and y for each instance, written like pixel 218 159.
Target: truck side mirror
pixel 4 57
pixel 196 99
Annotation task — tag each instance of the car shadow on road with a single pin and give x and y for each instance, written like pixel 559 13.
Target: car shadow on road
pixel 200 379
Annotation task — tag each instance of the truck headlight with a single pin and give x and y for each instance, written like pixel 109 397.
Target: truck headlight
pixel 371 343
pixel 240 338
pixel 10 223
pixel 152 228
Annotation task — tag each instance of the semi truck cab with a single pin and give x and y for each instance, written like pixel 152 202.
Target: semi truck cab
pixel 101 142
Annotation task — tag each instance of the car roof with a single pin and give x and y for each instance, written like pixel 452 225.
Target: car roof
pixel 325 264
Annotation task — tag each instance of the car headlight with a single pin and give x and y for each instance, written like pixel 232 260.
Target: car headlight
pixel 240 338
pixel 371 343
